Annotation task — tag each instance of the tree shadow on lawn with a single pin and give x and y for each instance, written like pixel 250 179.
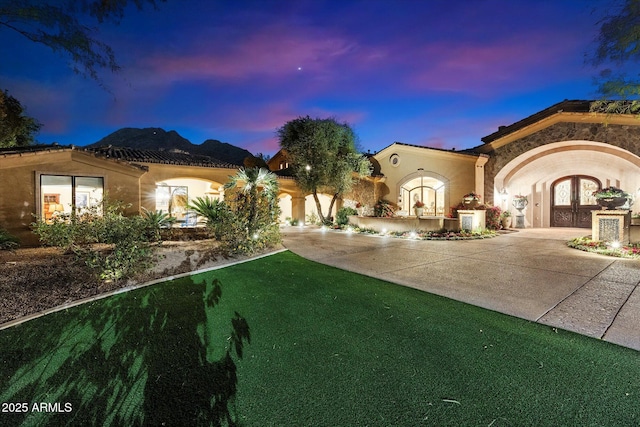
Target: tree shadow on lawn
pixel 162 355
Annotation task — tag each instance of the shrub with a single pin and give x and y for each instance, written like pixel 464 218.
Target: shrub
pixel 342 216
pixel 111 245
pixel 313 218
pixel 7 241
pixel 291 221
pixel 383 208
pixel 492 218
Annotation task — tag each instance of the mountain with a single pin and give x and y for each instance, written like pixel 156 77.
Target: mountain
pixel 159 139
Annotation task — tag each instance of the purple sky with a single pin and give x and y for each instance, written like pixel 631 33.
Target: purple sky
pixel 436 73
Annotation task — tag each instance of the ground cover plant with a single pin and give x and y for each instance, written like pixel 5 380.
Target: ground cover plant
pixel 605 248
pixel 286 341
pixel 421 234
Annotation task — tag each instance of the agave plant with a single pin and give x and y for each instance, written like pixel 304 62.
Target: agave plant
pixel 155 221
pixel 159 219
pixel 212 210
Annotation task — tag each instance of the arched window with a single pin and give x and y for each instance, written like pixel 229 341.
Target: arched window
pixel 428 190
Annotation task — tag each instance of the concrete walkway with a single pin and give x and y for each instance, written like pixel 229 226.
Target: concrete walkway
pixel 530 274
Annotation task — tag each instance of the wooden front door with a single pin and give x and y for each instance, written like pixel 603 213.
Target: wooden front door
pixel 572 201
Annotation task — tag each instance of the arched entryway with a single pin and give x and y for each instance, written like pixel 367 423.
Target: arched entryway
pixel 538 173
pixel 572 201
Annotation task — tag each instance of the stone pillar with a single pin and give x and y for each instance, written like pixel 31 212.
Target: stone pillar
pixel 610 225
pixel 297 209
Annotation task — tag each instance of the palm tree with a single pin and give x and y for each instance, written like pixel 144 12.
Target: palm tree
pixel 255 183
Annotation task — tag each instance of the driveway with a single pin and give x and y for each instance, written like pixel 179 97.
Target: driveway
pixel 528 273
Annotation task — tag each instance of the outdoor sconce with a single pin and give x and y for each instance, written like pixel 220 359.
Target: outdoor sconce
pixel 504 194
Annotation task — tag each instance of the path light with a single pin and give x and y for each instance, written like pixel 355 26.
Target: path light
pixel 413 235
pixel 307 168
pixel 615 244
pixel 384 231
pixel 255 236
pixel 349 230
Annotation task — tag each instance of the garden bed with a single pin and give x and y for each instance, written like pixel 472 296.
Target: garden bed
pixel 603 248
pixel 36 279
pixel 424 234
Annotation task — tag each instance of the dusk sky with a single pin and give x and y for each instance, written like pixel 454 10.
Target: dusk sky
pixel 435 73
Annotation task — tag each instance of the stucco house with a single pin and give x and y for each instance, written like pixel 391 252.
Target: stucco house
pixel 45 181
pixel 556 158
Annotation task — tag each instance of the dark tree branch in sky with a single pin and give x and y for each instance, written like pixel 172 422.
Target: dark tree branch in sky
pixel 618 47
pixel 61 26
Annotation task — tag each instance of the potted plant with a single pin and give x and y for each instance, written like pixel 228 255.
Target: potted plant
pixel 505 219
pixel 418 208
pixel 470 200
pixel 611 197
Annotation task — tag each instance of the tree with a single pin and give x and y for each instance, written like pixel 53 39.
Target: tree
pixel 58 25
pixel 258 161
pixel 618 43
pixel 16 129
pixel 323 157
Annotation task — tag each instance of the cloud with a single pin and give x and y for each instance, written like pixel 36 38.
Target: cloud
pixel 273 52
pixel 481 69
pixel 49 104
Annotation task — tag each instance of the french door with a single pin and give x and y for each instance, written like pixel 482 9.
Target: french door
pixel 572 201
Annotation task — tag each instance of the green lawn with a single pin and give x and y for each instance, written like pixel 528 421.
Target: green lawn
pixel 285 341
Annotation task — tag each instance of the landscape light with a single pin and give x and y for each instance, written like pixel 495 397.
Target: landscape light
pixel 615 244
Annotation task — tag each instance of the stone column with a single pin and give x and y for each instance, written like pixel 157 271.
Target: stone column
pixel 610 225
pixel 297 209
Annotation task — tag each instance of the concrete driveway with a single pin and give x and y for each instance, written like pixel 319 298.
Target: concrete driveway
pixel 529 273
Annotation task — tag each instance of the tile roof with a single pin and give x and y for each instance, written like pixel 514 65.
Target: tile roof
pixel 135 155
pixel 34 149
pixel 444 150
pixel 129 155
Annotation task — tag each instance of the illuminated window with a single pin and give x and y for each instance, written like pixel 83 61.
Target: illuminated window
pixel 428 190
pixel 59 194
pixel 172 199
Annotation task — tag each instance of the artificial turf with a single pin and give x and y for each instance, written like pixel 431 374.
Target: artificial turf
pixel 286 341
